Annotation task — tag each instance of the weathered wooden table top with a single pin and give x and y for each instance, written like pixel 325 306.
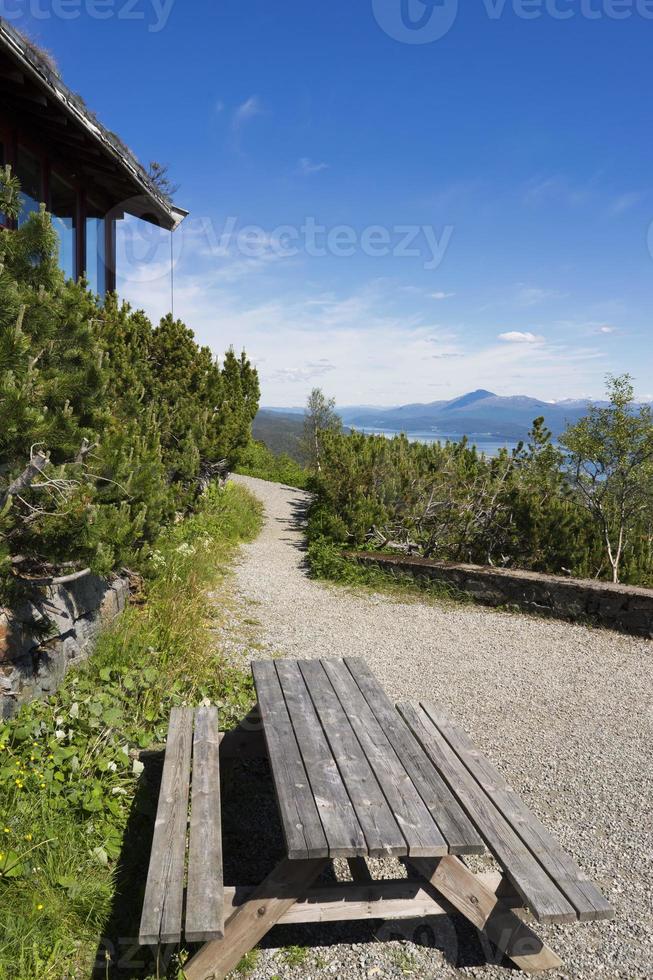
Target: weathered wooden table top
pixel 351 778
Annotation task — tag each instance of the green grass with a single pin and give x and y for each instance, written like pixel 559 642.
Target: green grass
pixel 75 818
pixel 249 962
pixel 294 956
pixel 405 961
pixel 328 562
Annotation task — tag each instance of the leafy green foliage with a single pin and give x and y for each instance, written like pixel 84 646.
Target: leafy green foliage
pixel 257 460
pixel 611 468
pixel 110 425
pixel 320 417
pixel 70 776
pixel 533 508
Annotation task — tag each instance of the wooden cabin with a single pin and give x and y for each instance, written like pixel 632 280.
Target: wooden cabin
pixel 64 157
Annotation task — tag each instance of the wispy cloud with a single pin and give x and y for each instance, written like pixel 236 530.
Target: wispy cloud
pixel 625 202
pixel 306 167
pixel 520 337
pixel 556 188
pixel 532 295
pixel 362 342
pixel 441 295
pixel 310 371
pixel 247 110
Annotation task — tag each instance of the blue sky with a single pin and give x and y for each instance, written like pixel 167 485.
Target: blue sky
pixel 511 158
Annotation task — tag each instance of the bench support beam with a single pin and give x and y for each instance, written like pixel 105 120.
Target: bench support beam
pixel 254 918
pixel 481 906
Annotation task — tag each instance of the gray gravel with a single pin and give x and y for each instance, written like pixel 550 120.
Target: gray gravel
pixel 564 711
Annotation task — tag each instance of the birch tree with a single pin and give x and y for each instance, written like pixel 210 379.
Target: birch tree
pixel 610 467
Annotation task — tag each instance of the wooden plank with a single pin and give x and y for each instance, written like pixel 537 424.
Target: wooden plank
pixel 348 902
pixel 513 937
pixel 164 891
pixel 341 827
pixel 382 833
pixel 530 880
pixel 251 920
pixel 581 892
pixel 456 828
pixel 299 817
pixel 409 809
pixel 204 897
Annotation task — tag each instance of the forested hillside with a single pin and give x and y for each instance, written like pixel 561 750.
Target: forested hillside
pixel 282 432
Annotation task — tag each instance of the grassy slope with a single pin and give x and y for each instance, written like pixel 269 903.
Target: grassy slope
pixel 75 819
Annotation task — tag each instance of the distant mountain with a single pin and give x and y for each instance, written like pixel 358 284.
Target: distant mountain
pixel 478 414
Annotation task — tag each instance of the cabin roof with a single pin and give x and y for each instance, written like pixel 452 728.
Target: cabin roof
pixel 32 87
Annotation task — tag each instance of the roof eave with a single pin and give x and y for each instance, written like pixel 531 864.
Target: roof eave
pixel 169 214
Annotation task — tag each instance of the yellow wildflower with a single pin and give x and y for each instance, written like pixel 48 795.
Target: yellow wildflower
pixel 39 907
pixel 42 785
pixel 7 830
pixel 28 836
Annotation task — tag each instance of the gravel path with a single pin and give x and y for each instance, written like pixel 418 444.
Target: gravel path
pixel 565 711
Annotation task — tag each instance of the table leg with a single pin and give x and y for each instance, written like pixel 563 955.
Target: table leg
pixel 254 918
pixel 462 889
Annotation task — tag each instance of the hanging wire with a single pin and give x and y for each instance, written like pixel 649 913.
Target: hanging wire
pixel 172 279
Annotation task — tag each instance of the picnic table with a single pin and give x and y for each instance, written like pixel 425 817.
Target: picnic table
pixel 355 777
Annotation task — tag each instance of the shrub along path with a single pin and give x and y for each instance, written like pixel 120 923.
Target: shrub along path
pixel 565 711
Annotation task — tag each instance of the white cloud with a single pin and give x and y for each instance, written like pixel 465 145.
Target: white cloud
pixel 625 202
pixel 247 110
pixel 520 337
pixel 307 372
pixel 361 344
pixel 606 328
pixel 306 167
pixel 557 188
pixel 441 295
pixel 532 295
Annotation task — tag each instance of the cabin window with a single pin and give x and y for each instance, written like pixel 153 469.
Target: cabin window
pixel 29 173
pixel 63 206
pixel 96 271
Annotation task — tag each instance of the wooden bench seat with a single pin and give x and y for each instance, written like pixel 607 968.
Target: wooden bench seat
pixel 186 851
pixel 546 877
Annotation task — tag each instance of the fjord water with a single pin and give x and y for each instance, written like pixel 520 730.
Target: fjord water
pixel 487 444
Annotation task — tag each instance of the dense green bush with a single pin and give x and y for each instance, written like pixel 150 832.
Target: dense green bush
pixel 521 509
pixel 110 426
pixel 256 459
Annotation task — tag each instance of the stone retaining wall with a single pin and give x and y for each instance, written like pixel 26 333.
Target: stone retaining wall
pixel 620 607
pixel 47 633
